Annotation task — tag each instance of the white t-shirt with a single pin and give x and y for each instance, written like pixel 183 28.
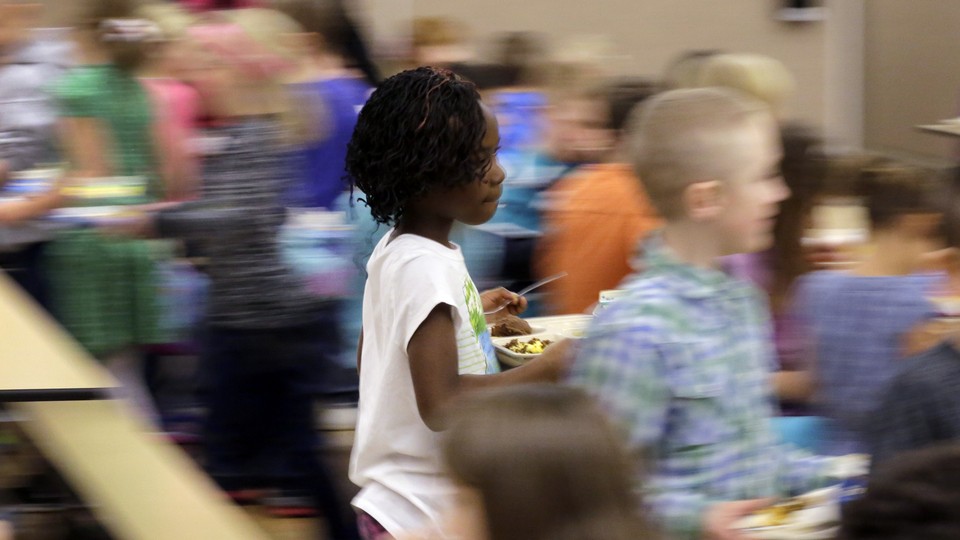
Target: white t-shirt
pixel 396 458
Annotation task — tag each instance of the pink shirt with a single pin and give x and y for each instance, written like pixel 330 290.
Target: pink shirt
pixel 176 109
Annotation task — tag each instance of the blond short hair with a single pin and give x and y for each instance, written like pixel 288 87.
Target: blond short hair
pixel 682 137
pixel 756 75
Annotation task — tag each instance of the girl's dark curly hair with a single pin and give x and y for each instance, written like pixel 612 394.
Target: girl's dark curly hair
pixel 420 130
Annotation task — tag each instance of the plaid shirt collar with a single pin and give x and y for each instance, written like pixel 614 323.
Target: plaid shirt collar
pixel 695 282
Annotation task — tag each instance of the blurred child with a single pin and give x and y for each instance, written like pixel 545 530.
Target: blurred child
pixel 756 75
pixel 556 469
pixel 684 70
pixel 342 36
pixel 424 156
pixel 324 76
pixel 440 41
pixel 104 288
pixel 574 134
pixel 30 61
pixel 682 362
pixel 596 217
pixel 859 319
pixel 264 332
pixel 776 270
pixel 176 103
pixel 921 407
pixel 915 496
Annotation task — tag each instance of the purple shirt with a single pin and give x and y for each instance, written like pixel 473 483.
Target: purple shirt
pixel 858 324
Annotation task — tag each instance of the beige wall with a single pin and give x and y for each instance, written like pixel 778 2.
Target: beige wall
pixel 912 73
pixel 649 33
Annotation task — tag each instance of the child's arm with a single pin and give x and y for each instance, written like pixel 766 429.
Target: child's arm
pixel 436 380
pixel 793 386
pixel 85 152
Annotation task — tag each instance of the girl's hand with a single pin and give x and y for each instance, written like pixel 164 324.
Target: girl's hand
pixel 495 298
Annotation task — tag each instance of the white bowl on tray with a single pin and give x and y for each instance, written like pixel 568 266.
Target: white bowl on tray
pixel 515 359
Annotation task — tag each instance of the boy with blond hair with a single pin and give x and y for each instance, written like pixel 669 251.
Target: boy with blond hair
pixel 683 361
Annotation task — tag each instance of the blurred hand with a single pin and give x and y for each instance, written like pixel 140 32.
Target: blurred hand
pixel 719 518
pixel 12 212
pixel 928 334
pixel 137 225
pixel 495 298
pixel 137 221
pixel 559 357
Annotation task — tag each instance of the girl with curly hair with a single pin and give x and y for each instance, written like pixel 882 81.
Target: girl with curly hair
pixel 424 156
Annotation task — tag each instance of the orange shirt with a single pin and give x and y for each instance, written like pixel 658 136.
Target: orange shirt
pixel 594 221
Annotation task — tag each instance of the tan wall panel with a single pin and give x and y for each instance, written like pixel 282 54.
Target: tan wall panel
pixel 912 73
pixel 652 32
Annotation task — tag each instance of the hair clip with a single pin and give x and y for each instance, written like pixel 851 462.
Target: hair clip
pixel 129 30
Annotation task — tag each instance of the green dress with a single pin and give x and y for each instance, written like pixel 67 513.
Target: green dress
pixel 105 289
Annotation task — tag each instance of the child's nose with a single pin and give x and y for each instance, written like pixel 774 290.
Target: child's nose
pixel 498 175
pixel 780 190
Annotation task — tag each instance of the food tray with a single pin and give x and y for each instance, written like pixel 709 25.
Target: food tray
pixel 515 359
pixel 817 521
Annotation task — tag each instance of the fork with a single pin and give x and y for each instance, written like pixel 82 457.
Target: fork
pixel 526 290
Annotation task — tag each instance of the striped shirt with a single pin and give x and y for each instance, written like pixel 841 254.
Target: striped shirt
pixel 682 364
pixel 236 221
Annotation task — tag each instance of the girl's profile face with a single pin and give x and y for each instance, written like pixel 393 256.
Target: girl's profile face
pixel 476 203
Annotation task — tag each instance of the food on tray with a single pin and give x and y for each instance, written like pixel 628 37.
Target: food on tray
pixel 814 515
pixel 533 346
pixel 779 513
pixel 510 326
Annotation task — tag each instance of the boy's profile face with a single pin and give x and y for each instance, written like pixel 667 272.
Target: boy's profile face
pixel 750 197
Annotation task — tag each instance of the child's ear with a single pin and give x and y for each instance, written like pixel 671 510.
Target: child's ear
pixel 703 200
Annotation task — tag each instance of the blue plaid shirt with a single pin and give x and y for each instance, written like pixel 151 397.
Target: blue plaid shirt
pixel 682 363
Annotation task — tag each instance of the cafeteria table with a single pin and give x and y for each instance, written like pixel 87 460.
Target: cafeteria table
pixel 139 485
